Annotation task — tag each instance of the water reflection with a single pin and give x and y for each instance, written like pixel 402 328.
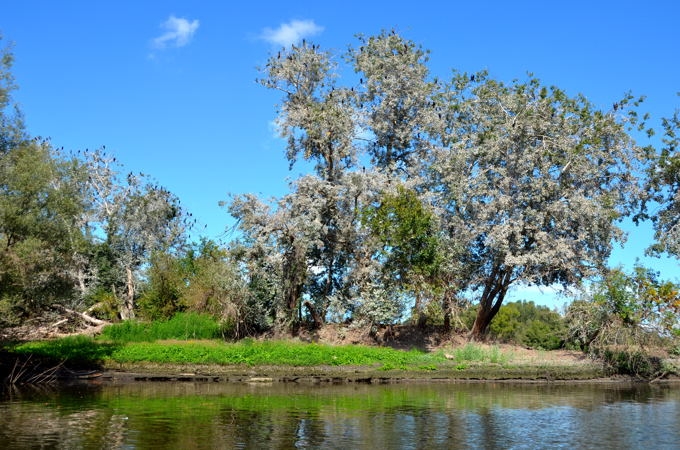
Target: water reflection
pixel 485 415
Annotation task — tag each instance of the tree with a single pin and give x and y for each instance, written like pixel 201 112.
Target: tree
pixel 315 229
pixel 622 315
pixel 532 181
pixel 216 284
pixel 40 203
pixel 528 324
pixel 11 119
pixel 664 188
pixel 396 100
pixel 408 243
pixel 162 292
pixel 525 182
pixel 307 249
pixel 131 219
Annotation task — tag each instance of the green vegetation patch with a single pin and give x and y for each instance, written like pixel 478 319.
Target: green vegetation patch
pixel 271 353
pixel 249 352
pixel 74 349
pixel 477 353
pixel 182 326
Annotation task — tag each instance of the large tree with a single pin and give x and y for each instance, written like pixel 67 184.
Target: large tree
pixel 40 237
pixel 313 228
pixel 533 182
pixel 130 218
pixel 11 120
pixel 524 182
pixel 664 189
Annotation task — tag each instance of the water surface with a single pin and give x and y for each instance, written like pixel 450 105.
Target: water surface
pixel 148 415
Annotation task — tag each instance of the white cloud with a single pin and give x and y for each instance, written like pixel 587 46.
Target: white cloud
pixel 179 32
pixel 291 33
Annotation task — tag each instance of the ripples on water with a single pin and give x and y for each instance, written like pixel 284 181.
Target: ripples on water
pixel 484 415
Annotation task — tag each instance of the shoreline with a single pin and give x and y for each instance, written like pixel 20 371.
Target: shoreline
pixel 324 375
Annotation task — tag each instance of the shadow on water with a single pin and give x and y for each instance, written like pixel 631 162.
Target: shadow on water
pixel 461 415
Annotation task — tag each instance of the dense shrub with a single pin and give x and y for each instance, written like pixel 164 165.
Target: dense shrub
pixel 524 323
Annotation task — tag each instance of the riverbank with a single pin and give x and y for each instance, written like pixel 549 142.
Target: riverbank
pixel 124 373
pixel 290 361
pixel 311 359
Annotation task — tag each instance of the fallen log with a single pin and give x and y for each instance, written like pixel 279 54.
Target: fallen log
pixel 87 318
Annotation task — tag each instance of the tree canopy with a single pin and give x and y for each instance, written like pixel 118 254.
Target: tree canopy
pixel 526 183
pixel 424 191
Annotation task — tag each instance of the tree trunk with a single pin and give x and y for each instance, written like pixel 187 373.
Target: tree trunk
pixel 446 308
pixel 127 308
pixel 492 298
pixel 480 328
pixel 318 321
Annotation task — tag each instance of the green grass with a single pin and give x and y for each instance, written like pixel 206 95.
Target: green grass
pixel 248 352
pixel 477 353
pixel 190 338
pixel 74 349
pixel 276 353
pixel 183 326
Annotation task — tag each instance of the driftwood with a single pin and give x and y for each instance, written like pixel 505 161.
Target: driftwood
pixel 83 315
pixel 92 324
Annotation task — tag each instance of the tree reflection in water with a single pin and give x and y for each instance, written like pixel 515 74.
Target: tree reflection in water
pixel 219 415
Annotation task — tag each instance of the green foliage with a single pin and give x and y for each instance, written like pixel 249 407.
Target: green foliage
pixel 40 205
pixel 216 285
pixel 407 233
pixel 182 326
pixel 74 349
pixel 272 353
pixel 506 325
pixel 161 297
pixel 477 353
pixel 624 315
pixel 544 335
pixel 524 323
pixel 626 309
pixel 632 361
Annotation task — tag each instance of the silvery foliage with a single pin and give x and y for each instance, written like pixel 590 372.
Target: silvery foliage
pixel 314 236
pixel 532 182
pixel 11 119
pixel 527 182
pixel 396 101
pixel 664 185
pixel 314 227
pixel 133 216
pixel 308 244
pixel 316 118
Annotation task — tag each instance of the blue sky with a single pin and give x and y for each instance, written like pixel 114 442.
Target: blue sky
pixel 168 86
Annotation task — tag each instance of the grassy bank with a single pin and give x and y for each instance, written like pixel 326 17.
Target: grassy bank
pixel 190 343
pixel 284 360
pixel 249 352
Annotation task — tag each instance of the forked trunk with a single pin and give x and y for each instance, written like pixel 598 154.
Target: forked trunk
pixel 490 303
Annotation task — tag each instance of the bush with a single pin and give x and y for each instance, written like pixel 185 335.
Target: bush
pixel 633 362
pixel 524 323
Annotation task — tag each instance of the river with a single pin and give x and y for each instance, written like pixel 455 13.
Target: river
pixel 162 415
